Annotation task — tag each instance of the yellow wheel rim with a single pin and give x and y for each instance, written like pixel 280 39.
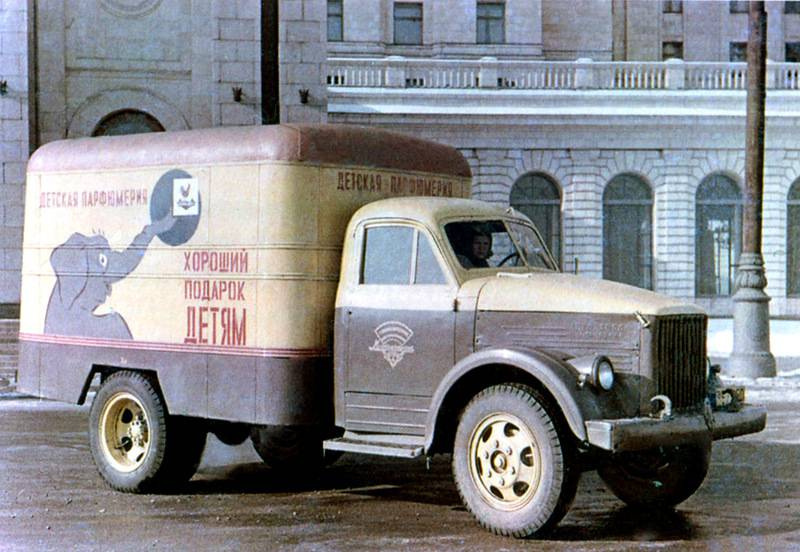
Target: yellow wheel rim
pixel 124 432
pixel 504 461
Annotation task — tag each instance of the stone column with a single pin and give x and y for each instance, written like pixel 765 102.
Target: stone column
pixel 303 61
pixel 675 226
pixel 751 356
pixel 583 214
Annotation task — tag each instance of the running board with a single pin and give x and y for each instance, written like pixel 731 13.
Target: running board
pixel 398 446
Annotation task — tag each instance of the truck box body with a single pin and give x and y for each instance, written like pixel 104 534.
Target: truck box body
pixel 209 257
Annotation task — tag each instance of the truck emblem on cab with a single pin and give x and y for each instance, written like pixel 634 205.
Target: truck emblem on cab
pixel 391 341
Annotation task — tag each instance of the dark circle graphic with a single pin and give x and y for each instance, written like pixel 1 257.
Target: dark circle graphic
pixel 161 206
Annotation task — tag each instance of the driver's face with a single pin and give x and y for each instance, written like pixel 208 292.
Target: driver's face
pixel 480 247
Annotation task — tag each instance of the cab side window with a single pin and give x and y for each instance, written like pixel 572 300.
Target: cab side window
pixel 428 270
pixel 387 255
pixel 398 255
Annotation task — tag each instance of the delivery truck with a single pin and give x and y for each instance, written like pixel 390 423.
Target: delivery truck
pixel 322 289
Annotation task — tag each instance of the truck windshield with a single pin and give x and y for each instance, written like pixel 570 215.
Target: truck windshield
pixel 497 243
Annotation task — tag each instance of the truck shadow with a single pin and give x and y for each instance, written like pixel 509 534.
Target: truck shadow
pixel 751 490
pixel 627 523
pixel 389 479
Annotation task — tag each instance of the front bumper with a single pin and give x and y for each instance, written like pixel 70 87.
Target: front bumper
pixel 629 434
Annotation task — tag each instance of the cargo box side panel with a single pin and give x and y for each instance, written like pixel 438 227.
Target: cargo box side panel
pixel 104 269
pixel 34 262
pixel 249 386
pixel 232 388
pixel 154 297
pixel 30 317
pixel 288 261
pixel 303 215
pixel 28 372
pixel 110 263
pixel 66 364
pixel 344 190
pixel 294 391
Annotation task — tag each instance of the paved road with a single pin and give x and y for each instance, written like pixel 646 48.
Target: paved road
pixel 51 498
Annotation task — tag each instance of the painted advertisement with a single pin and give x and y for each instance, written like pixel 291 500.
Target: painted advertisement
pixel 241 259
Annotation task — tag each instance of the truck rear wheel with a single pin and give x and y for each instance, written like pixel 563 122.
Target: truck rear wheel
pixel 293 449
pixel 659 478
pixel 513 468
pixel 135 444
pixel 229 433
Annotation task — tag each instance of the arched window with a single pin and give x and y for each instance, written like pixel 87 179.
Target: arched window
pixel 628 231
pixel 539 198
pixel 718 235
pixel 793 240
pixel 128 121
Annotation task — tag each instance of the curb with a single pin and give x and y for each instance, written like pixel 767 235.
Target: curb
pixel 13 395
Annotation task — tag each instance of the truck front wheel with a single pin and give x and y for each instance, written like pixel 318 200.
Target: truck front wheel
pixel 659 478
pixel 513 467
pixel 135 444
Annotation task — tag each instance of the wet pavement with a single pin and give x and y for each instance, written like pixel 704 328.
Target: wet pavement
pixel 51 498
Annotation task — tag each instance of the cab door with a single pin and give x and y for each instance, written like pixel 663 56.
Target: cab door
pixel 401 326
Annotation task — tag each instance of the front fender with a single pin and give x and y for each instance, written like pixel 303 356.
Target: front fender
pixel 559 379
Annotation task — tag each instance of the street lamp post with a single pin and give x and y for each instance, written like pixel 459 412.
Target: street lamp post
pixel 751 356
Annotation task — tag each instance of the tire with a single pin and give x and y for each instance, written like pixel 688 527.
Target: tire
pixel 230 433
pixel 514 468
pixel 187 441
pixel 135 444
pixel 659 478
pixel 293 449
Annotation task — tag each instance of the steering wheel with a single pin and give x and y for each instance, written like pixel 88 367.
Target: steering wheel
pixel 508 258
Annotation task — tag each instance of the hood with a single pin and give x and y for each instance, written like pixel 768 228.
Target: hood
pixel 559 292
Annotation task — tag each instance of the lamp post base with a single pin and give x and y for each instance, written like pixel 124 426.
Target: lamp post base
pixel 751 356
pixel 751 365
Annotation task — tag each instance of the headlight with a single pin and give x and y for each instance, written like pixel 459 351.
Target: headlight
pixel 602 373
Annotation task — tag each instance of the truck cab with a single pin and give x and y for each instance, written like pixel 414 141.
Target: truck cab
pixel 407 302
pixel 456 333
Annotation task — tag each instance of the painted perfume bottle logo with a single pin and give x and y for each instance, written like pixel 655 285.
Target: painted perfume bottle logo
pixel 185 197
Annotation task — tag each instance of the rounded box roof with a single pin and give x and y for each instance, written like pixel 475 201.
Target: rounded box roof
pixel 315 144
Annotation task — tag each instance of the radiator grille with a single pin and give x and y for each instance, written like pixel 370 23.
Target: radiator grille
pixel 679 359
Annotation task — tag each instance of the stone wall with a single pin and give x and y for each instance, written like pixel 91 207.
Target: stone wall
pixel 449 30
pixel 14 146
pixel 178 61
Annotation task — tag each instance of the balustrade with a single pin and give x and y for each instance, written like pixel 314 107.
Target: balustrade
pixel 400 72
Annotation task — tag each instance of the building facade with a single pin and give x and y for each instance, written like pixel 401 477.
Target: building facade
pixel 617 125
pixel 14 146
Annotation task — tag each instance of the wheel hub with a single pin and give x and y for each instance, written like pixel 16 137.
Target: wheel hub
pixel 124 432
pixel 505 462
pixel 136 431
pixel 499 462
